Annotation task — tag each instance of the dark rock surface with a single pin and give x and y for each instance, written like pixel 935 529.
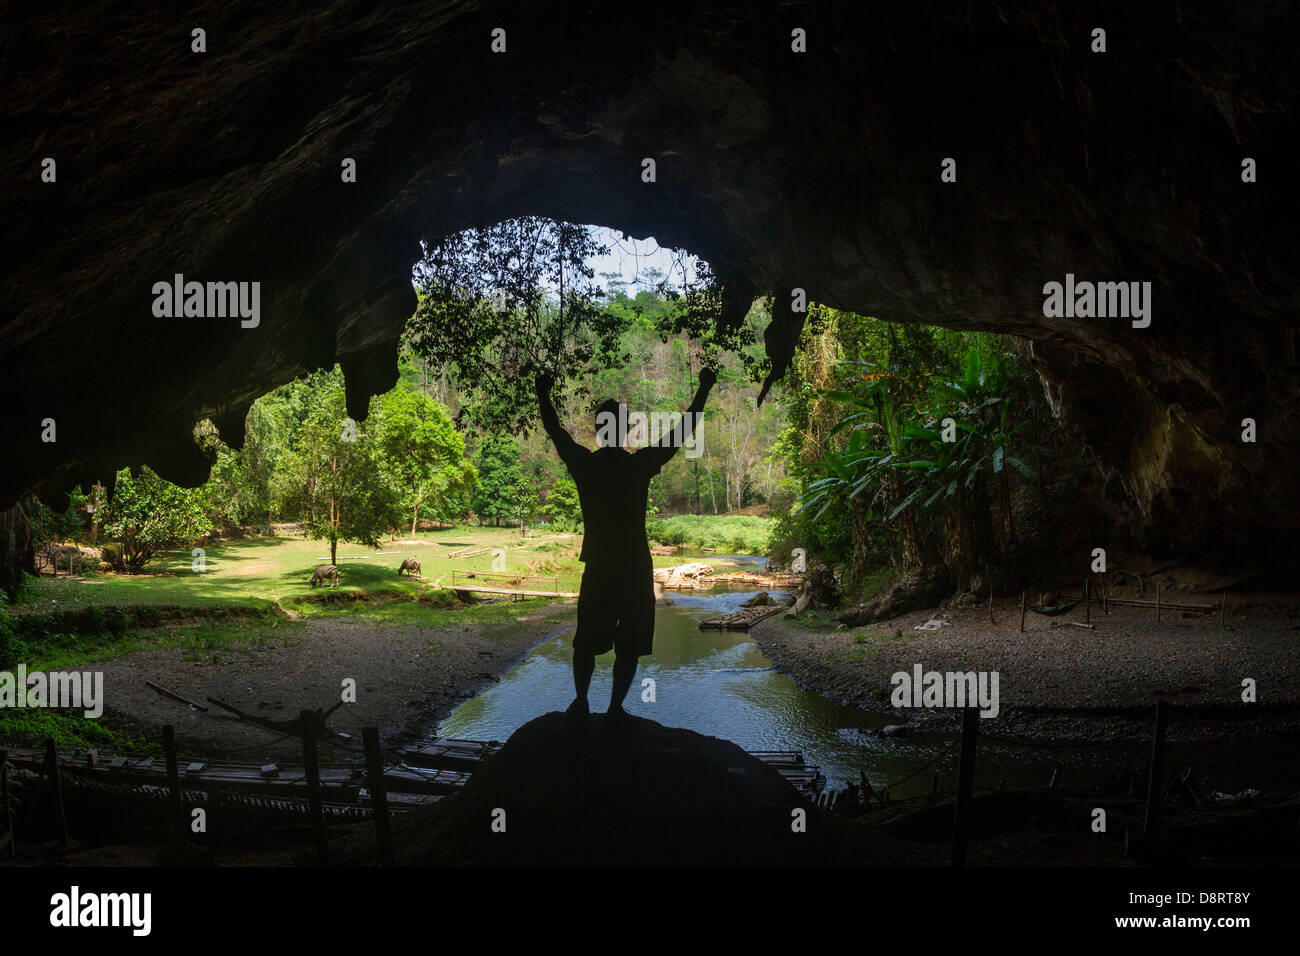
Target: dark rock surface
pixel 578 791
pixel 817 170
pixel 16 555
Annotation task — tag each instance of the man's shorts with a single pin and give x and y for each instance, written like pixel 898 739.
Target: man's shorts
pixel 616 611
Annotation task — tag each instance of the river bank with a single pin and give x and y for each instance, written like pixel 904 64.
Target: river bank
pixel 1066 683
pixel 407 677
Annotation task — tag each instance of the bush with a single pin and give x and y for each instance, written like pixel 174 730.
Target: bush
pixel 739 534
pixel 442 598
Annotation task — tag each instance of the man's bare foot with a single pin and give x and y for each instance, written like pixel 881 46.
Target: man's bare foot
pixel 578 707
pixel 617 716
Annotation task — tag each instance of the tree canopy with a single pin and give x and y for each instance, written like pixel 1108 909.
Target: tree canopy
pixel 502 304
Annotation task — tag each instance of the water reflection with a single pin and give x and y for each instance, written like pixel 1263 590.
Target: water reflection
pixel 719 683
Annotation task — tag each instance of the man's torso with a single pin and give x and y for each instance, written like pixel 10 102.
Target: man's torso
pixel 613 486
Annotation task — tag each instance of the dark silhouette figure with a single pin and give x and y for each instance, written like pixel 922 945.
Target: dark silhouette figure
pixel 616 602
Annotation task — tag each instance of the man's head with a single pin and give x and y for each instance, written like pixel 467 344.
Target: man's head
pixel 606 419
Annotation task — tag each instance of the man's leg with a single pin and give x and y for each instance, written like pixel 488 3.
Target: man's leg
pixel 634 640
pixel 584 663
pixel 624 671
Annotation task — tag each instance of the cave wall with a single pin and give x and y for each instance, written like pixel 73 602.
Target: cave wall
pixel 819 170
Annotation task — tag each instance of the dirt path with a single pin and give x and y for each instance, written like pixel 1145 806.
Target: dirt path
pixel 1066 682
pixel 407 677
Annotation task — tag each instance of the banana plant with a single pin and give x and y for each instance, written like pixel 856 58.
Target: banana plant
pixel 952 473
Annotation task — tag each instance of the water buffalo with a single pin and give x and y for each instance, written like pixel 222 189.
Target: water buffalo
pixel 326 572
pixel 411 566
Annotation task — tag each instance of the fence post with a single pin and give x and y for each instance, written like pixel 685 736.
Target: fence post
pixel 56 790
pixel 174 788
pixel 5 805
pixel 378 795
pixel 1157 765
pixel 965 783
pixel 307 724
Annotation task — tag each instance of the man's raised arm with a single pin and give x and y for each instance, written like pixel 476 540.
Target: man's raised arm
pixel 662 451
pixel 564 443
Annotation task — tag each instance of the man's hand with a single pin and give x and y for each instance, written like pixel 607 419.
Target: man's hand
pixel 708 377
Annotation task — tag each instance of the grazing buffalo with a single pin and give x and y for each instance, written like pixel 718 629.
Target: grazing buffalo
pixel 410 565
pixel 326 572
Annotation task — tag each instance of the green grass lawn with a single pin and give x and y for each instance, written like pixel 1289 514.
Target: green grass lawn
pixel 247 587
pixel 266 572
pixel 738 534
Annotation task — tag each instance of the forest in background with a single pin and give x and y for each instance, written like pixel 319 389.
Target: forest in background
pixel 885 450
pixel 417 461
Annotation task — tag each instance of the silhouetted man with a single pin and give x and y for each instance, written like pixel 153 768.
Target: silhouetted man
pixel 616 603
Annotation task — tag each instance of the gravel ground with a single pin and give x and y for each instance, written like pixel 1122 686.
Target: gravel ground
pixel 407 678
pixel 1056 682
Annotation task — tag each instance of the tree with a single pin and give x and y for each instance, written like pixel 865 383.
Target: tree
pixel 339 479
pixel 562 505
pixel 499 474
pixel 522 503
pixel 147 514
pixel 426 453
pixel 504 304
pixel 500 304
pixel 243 485
pixel 919 452
pixel 735 421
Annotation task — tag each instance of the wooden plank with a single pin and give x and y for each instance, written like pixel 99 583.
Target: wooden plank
pixel 378 795
pixel 449 754
pixel 174 788
pixel 174 696
pixel 778 756
pixel 407 779
pixel 965 783
pixel 1164 605
pixel 526 593
pixel 1157 765
pixel 313 785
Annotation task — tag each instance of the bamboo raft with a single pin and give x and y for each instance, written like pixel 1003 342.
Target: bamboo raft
pixel 449 753
pixel 425 772
pixel 344 783
pixel 446 753
pixel 804 777
pixel 770 580
pixel 741 620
